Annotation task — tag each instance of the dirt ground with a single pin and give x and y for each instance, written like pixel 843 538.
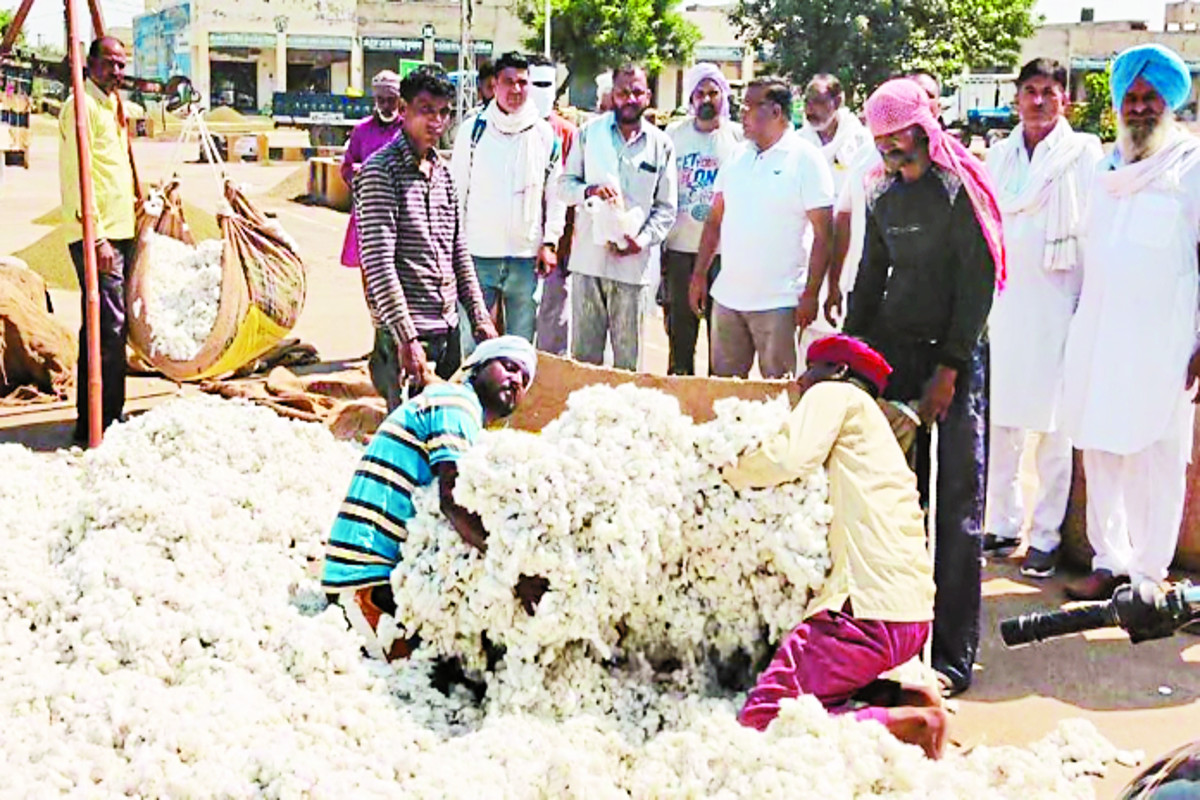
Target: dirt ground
pixel 1145 697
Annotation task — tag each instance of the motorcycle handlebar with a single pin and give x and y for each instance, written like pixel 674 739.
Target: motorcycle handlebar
pixel 1038 626
pixel 1151 612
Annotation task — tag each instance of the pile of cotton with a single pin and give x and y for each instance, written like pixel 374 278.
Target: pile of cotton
pixel 182 292
pixel 619 504
pixel 163 634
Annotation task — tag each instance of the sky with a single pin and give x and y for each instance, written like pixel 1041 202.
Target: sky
pixel 46 17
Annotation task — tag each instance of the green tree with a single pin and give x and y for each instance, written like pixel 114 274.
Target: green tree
pixel 590 36
pixel 864 42
pixel 1095 114
pixel 6 18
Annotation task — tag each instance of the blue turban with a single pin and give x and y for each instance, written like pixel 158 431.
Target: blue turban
pixel 1162 68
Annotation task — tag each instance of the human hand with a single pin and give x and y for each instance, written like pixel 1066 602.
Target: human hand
pixel 806 310
pixel 601 190
pixel 486 331
pixel 698 293
pixel 412 359
pixel 547 260
pixel 631 247
pixel 106 258
pixel 939 394
pixel 833 305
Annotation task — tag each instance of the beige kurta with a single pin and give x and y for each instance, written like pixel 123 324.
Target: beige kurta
pixel 877 536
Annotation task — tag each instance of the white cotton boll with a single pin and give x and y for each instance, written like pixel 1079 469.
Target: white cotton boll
pixel 182 294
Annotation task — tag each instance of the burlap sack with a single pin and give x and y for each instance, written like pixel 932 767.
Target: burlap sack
pixel 37 352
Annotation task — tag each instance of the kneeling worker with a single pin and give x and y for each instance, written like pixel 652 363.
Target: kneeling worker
pixel 421 440
pixel 875 609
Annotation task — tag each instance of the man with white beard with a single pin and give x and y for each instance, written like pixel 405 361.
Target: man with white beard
pixel 1041 173
pixel 1125 401
pixel 836 132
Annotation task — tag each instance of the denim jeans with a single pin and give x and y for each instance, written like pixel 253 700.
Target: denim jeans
pixel 509 284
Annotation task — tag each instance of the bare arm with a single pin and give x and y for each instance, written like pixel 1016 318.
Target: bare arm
pixel 821 220
pixel 833 276
pixel 710 242
pixel 467 523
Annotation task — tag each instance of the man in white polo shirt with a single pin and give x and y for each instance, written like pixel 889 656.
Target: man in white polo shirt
pixel 766 199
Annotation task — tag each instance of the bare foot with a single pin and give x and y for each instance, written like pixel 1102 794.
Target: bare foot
pixel 924 727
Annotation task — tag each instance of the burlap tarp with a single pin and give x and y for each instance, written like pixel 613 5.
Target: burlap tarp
pixel 37 352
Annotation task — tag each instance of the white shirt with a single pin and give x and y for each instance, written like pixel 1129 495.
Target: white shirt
pixel 852 199
pixel 698 157
pixel 490 192
pixel 1029 320
pixel 841 151
pixel 1135 329
pixel 764 259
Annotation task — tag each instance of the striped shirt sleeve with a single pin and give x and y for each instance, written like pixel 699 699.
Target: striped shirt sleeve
pixel 452 424
pixel 377 209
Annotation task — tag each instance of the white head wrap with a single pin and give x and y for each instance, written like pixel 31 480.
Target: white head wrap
pixel 514 347
pixel 386 80
pixel 542 96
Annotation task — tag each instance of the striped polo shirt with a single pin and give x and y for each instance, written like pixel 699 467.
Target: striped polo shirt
pixel 411 245
pixel 366 541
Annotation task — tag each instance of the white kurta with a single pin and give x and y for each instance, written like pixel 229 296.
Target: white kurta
pixel 1135 328
pixel 841 153
pixel 1028 324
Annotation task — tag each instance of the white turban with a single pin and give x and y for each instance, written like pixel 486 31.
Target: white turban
pixel 514 347
pixel 386 80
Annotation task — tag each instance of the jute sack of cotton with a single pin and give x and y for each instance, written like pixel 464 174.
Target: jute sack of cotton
pixel 203 309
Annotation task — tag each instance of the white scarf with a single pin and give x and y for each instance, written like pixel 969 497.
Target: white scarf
pixel 848 127
pixel 533 157
pixel 1180 153
pixel 1051 186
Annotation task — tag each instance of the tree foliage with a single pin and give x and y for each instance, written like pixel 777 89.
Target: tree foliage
pixel 590 36
pixel 864 42
pixel 6 18
pixel 1095 114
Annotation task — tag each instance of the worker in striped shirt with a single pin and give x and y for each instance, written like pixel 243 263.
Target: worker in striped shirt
pixel 413 247
pixel 421 440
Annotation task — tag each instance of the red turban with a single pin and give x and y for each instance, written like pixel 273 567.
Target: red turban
pixel 855 354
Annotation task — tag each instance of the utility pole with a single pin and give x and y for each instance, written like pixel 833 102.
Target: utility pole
pixel 546 31
pixel 466 64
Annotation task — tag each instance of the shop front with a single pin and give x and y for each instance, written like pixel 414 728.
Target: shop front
pixel 241 69
pixel 319 64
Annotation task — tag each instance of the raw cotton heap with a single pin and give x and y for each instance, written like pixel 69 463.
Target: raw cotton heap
pixel 182 294
pixel 163 634
pixel 650 556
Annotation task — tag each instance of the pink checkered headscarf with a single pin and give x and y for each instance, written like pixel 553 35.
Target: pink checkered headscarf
pixel 902 103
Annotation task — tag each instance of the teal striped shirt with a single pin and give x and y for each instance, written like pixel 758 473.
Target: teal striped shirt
pixel 366 541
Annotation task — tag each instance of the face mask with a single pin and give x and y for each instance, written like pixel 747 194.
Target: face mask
pixel 541 88
pixel 707 111
pixel 390 116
